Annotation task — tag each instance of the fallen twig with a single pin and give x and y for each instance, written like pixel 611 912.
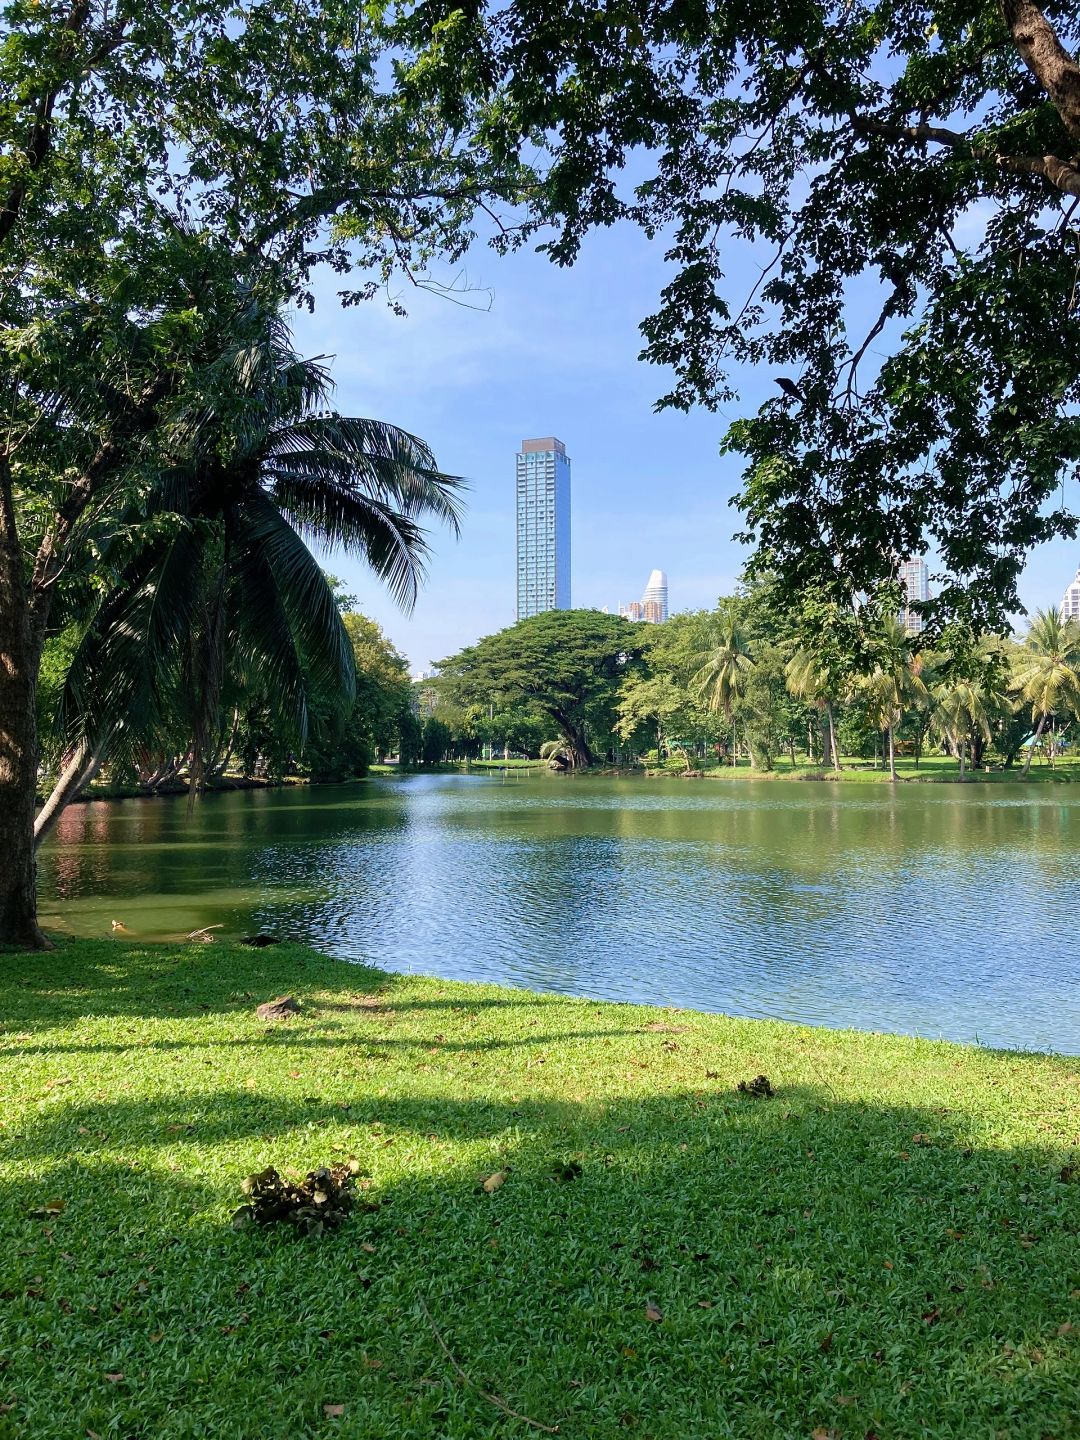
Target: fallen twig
pixel 492 1399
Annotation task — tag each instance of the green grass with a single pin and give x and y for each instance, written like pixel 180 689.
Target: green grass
pixel 512 764
pixel 886 1248
pixel 932 769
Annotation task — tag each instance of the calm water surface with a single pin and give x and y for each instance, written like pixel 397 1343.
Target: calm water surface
pixel 938 910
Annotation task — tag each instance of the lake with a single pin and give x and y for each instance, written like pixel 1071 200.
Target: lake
pixel 941 910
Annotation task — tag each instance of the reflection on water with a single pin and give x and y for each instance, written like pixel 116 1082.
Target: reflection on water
pixel 942 910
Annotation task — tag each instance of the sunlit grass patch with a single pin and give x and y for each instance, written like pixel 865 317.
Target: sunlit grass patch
pixel 886 1246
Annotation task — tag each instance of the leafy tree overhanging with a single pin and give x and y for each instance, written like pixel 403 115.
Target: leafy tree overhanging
pixel 907 177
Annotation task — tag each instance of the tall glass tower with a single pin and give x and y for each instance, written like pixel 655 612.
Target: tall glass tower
pixel 915 579
pixel 543 527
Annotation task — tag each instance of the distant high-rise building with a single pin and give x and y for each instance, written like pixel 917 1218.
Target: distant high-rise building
pixel 543 527
pixel 655 598
pixel 653 606
pixel 915 578
pixel 1070 601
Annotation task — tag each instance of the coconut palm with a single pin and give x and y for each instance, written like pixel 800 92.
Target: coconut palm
pixel 967 697
pixel 222 585
pixel 723 673
pixel 893 683
pixel 809 680
pixel 959 709
pixel 1047 673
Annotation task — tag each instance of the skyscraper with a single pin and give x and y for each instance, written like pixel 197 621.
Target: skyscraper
pixel 653 605
pixel 654 601
pixel 915 579
pixel 543 527
pixel 1070 601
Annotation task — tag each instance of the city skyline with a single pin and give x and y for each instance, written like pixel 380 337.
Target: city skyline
pixel 551 347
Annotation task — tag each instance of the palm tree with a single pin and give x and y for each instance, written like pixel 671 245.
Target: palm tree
pixel 965 707
pixel 222 584
pixel 960 708
pixel 809 680
pixel 722 675
pixel 1047 674
pixel 893 682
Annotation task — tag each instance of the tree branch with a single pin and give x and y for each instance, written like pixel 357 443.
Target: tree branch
pixel 41 130
pixel 1047 59
pixel 1061 174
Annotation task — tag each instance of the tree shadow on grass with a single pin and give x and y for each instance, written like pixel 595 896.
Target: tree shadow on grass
pixel 167 981
pixel 287 1038
pixel 721 1267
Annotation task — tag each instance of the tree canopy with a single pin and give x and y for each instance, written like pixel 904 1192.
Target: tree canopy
pixel 565 663
pixel 164 169
pixel 906 178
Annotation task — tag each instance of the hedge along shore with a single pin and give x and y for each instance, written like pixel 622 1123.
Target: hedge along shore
pixel 888 1247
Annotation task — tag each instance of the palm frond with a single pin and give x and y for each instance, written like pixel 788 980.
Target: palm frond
pixel 287 625
pixel 124 673
pixel 379 459
pixel 392 544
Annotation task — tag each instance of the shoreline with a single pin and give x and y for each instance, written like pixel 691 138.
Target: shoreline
pixel 342 968
pixel 856 772
pixel 851 775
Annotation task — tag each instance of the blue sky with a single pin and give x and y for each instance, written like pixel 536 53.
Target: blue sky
pixel 550 351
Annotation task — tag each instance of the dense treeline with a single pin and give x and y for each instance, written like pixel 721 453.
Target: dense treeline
pixel 749 681
pixel 248 741
pixel 708 688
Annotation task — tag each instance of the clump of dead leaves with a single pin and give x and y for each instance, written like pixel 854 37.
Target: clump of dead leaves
pixel 319 1202
pixel 760 1087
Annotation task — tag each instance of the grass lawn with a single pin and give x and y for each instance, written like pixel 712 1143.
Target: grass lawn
pixel 932 769
pixel 885 1249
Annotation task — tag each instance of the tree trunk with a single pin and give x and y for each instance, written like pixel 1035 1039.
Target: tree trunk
pixel 578 746
pixel 892 755
pixel 77 773
pixel 1047 59
pixel 832 738
pixel 20 653
pixel 978 750
pixel 1031 747
pixel 167 771
pixel 963 749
